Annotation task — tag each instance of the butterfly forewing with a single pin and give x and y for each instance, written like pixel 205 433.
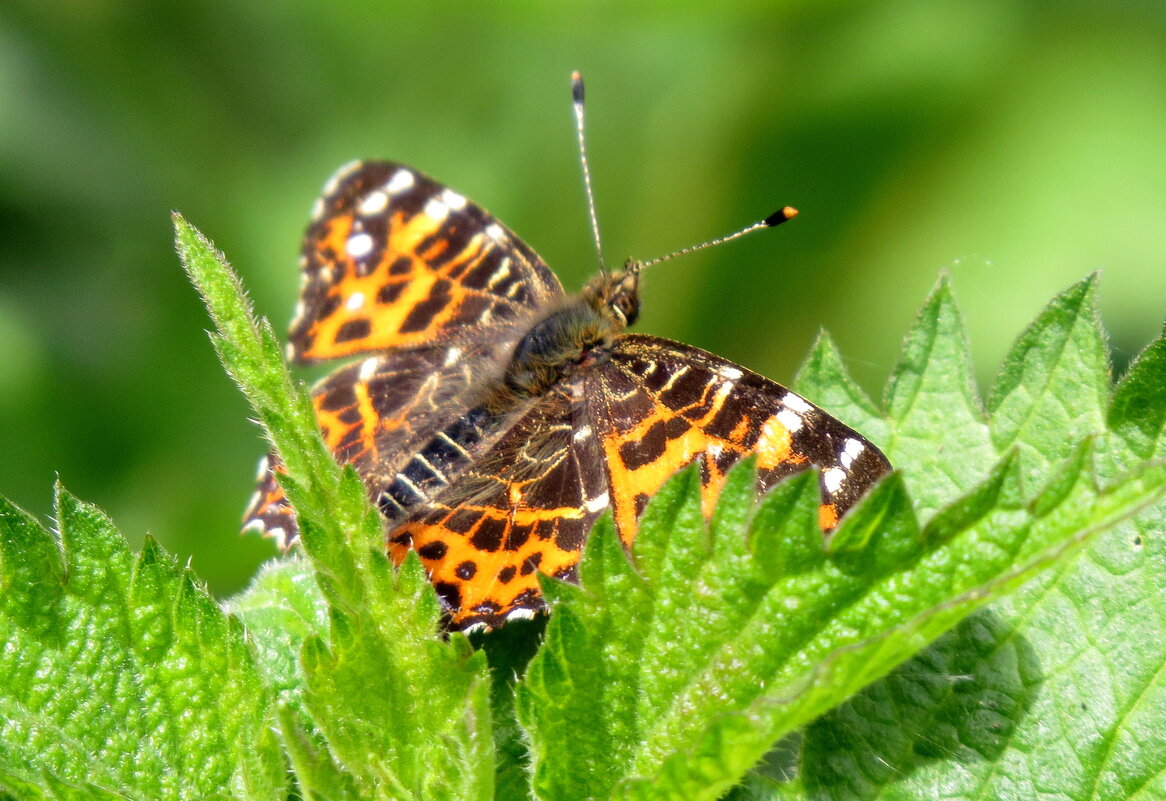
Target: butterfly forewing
pixel 393 259
pixel 397 265
pixel 659 404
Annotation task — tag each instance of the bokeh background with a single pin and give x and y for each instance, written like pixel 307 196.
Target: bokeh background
pixel 1016 144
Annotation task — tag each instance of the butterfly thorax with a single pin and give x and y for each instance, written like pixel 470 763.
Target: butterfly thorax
pixel 576 334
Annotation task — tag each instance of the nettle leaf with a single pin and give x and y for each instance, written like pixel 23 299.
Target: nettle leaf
pixel 388 707
pixel 122 678
pixel 282 609
pixel 1056 690
pixel 671 677
pixel 1137 412
pixel 938 424
pixel 824 380
pixel 509 649
pixel 1054 386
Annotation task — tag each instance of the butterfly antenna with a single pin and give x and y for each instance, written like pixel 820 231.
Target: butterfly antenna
pixel 577 102
pixel 777 218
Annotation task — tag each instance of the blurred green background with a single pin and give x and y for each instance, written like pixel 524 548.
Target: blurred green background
pixel 1017 145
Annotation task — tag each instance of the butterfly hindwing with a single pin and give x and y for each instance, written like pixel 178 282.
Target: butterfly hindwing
pixel 609 439
pixel 525 507
pixel 375 413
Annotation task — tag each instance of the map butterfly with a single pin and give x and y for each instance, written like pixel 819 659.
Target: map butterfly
pixel 493 418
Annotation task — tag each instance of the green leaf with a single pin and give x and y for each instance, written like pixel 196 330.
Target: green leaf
pixel 939 428
pixel 823 379
pixel 509 649
pixel 281 609
pixel 317 775
pixel 1137 412
pixel 122 678
pixel 1052 390
pixel 1058 688
pixel 393 708
pixel 670 673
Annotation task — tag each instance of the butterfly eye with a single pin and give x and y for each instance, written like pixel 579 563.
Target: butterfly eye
pixel 628 306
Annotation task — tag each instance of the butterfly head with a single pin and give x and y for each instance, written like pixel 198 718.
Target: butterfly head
pixel 616 296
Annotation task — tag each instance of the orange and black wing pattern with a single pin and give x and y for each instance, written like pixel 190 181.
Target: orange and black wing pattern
pixel 393 259
pixel 657 405
pixel 526 506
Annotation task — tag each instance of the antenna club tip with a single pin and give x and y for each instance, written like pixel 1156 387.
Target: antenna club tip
pixel 780 216
pixel 577 86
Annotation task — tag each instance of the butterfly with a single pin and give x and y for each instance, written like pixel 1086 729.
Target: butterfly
pixel 493 418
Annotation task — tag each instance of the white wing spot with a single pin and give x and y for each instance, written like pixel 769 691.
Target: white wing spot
pixel 453 444
pixel 373 203
pixel 358 245
pixel 520 613
pixel 730 372
pixel 495 232
pixel 333 183
pixel 409 483
pixel 583 433
pixel 453 200
pixel 790 419
pixel 278 534
pixel 850 452
pixel 597 504
pixel 401 180
pixel 318 209
pixel 432 468
pixel 368 368
pixel 832 479
pixel 796 402
pixel 451 356
pixel 672 379
pixel 436 210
